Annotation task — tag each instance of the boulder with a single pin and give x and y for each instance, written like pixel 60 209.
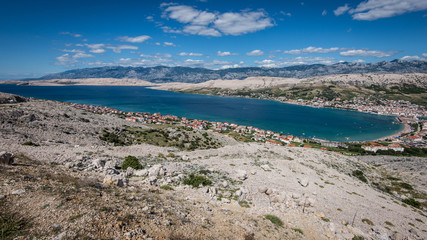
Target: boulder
pixel 129 171
pixel 110 164
pixel 18 192
pixel 262 189
pixel 303 182
pixel 98 163
pixel 115 180
pixel 111 171
pixel 154 170
pixel 6 158
pixel 141 173
pixel 269 191
pixel 185 158
pixel 241 175
pixel 224 184
pixel 265 167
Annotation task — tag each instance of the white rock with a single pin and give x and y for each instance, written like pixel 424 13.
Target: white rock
pixel 98 163
pixel 265 167
pixel 262 189
pixel 303 182
pixel 224 184
pixel 253 172
pixel 129 171
pixel 269 191
pixel 241 174
pixel 331 227
pixel 185 158
pixel 18 192
pixel 154 170
pixel 141 173
pixel 225 200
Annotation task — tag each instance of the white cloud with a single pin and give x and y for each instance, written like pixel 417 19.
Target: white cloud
pixel 182 13
pixel 215 24
pixel 255 53
pixel 73 50
pixel 119 48
pixel 376 9
pixel 97 50
pixel 190 54
pixel 169 44
pixel 341 10
pixel 412 58
pixel 67 59
pixel 201 30
pixel 71 34
pixel 367 53
pixel 82 55
pixel 138 39
pixel 308 50
pixel 424 54
pixel 241 23
pixel 224 54
pixel 283 62
pixel 230 66
pixel 324 13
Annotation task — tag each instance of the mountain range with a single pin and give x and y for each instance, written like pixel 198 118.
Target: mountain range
pixel 163 74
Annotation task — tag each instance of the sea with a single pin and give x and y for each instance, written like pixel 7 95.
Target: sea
pixel 303 121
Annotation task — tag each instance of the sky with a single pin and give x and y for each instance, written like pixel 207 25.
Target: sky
pixel 42 37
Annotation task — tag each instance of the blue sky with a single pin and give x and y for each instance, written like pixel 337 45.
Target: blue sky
pixel 41 37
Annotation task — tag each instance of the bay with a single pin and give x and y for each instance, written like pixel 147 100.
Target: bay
pixel 324 123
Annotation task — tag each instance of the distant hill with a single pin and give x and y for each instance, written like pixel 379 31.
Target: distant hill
pixel 162 74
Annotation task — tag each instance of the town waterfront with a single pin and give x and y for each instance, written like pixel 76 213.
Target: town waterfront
pixel 323 123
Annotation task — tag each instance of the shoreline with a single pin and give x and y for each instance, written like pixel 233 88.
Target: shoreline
pixel 406 129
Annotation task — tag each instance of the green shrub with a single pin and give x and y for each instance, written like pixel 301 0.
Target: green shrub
pixel 275 220
pixel 359 174
pixel 29 143
pixel 244 204
pixel 195 181
pixel 367 221
pixel 412 202
pixel 131 161
pixel 298 230
pixel 166 187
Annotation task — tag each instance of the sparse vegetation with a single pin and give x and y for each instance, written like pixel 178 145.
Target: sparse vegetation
pixel 166 187
pixel 12 225
pixel 412 202
pixel 274 219
pixel 298 230
pixel 131 161
pixel 367 221
pixel 359 174
pixel 196 181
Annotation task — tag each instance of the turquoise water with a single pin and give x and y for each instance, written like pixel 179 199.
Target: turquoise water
pixel 331 124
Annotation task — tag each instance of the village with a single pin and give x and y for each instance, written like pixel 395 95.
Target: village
pixel 414 135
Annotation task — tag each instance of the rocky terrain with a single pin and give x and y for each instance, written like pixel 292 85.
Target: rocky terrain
pixel 65 182
pixel 163 74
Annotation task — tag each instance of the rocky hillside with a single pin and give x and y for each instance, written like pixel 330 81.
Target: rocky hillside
pixel 162 74
pixel 70 182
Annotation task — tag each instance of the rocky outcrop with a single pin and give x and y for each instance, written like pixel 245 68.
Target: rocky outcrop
pixel 6 158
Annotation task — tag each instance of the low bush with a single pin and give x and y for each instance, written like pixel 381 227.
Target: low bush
pixel 412 202
pixel 131 161
pixel 359 174
pixel 196 181
pixel 275 220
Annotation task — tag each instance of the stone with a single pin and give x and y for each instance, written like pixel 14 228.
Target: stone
pixel 379 233
pixel 265 167
pixel 60 236
pixel 224 184
pixel 154 170
pixel 6 158
pixel 110 164
pixel 68 165
pixel 225 200
pixel 185 158
pixel 115 180
pixel 111 171
pixel 162 171
pixel 253 172
pixel 296 195
pixel 141 173
pixel 303 182
pixel 262 189
pixel 269 191
pixel 98 163
pixel 18 192
pixel 129 171
pixel 241 175
pixel 331 227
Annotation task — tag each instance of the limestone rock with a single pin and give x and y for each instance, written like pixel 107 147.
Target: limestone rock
pixel 303 182
pixel 141 173
pixel 241 175
pixel 265 167
pixel 18 192
pixel 129 171
pixel 262 189
pixel 6 158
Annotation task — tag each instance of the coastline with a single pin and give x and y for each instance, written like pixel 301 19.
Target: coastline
pixel 406 129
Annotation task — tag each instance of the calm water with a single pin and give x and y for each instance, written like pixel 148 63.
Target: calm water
pixel 331 124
